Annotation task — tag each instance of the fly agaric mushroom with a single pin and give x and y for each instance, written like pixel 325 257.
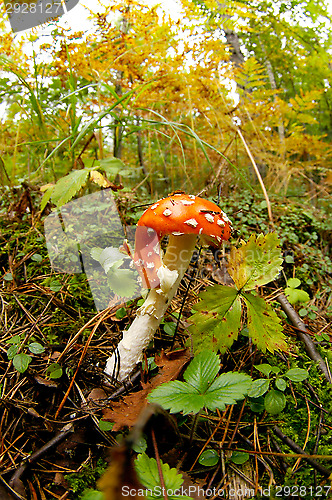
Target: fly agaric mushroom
pixel 182 217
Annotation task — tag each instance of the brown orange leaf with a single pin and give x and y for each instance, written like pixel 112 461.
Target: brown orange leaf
pixel 125 413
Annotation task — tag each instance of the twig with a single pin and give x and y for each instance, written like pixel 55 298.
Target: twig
pixel 293 446
pixel 160 472
pixel 301 331
pixel 65 431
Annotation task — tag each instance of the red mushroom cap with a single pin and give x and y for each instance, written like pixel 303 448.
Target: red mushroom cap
pixel 187 214
pixel 177 214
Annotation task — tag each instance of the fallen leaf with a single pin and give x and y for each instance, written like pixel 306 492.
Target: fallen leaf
pixel 120 474
pixel 125 413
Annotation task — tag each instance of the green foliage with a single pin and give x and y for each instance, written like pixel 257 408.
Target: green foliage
pixel 21 360
pixel 274 401
pixel 239 457
pixel 69 186
pixel 147 471
pixel 54 371
pixel 293 293
pixel 256 262
pixel 218 318
pixel 81 483
pixel 264 325
pixel 202 388
pixel 209 458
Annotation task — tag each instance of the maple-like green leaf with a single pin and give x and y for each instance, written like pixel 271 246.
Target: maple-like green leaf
pixel 148 474
pixel 218 319
pixel 264 325
pixel 201 388
pixel 256 262
pixel 66 187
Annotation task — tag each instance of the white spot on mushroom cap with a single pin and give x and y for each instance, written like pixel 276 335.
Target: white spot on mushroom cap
pixel 167 212
pixel 150 254
pixel 200 231
pixel 191 222
pixel 149 265
pixel 209 217
pixel 154 206
pixel 176 233
pixel 150 230
pixel 193 197
pixel 187 202
pixel 220 222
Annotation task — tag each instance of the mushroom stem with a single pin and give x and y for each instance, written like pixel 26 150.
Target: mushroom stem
pixel 140 333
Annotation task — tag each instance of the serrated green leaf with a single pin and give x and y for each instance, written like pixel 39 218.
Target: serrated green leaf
pixel 69 185
pixel 202 371
pixel 147 471
pixel 256 262
pixel 209 458
pixel 274 402
pixel 217 322
pixel 201 389
pixel 21 362
pixel 264 325
pixel 258 388
pixel 36 348
pixel 297 374
pixel 227 390
pixel 177 396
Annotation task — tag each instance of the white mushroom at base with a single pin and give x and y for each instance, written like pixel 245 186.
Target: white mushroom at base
pixel 186 217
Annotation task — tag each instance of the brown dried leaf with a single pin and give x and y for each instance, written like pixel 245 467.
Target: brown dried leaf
pixel 125 413
pixel 120 473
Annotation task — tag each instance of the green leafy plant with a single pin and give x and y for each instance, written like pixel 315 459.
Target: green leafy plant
pixel 293 293
pixel 209 457
pixel 274 400
pixel 69 185
pixel 217 322
pixel 202 388
pixel 21 360
pixel 147 471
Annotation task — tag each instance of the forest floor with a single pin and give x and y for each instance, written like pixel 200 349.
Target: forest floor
pixel 62 427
